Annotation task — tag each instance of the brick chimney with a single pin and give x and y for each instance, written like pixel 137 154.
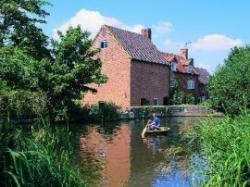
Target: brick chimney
pixel 146 33
pixel 184 53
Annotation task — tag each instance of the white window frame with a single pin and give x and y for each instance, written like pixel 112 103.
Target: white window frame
pixel 172 83
pixel 157 101
pixel 190 84
pixel 173 66
pixel 104 44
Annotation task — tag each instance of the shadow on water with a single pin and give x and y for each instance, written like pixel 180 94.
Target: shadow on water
pixel 125 159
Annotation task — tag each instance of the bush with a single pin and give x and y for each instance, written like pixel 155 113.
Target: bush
pixel 105 112
pixel 179 97
pixel 225 144
pixel 230 85
pixel 21 104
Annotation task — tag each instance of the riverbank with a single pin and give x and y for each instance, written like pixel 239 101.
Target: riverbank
pixel 225 143
pixel 139 112
pixel 41 156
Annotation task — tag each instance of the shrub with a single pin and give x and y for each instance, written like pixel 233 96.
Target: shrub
pixel 230 85
pixel 179 97
pixel 105 112
pixel 21 104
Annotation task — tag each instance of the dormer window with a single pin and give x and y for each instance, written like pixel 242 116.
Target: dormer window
pixel 173 66
pixel 190 68
pixel 104 44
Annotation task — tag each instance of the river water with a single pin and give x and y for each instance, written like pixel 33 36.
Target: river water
pixel 125 159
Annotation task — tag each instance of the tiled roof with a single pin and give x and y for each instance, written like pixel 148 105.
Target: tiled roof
pixel 139 47
pixel 204 75
pixel 181 62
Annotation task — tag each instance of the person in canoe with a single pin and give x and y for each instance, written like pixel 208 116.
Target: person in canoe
pixel 154 124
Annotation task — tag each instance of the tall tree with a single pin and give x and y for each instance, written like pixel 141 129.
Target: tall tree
pixel 230 85
pixel 18 26
pixel 74 68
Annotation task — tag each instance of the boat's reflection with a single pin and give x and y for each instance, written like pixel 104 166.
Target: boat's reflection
pixel 153 143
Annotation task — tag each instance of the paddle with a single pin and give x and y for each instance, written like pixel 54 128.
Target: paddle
pixel 144 130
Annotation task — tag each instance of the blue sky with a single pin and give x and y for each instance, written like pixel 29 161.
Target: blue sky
pixel 212 27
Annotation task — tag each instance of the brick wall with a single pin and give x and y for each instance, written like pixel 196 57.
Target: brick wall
pixel 116 65
pixel 182 79
pixel 148 80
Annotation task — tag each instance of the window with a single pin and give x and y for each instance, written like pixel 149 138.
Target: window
pixel 173 66
pixel 165 100
pixel 144 102
pixel 172 83
pixel 155 101
pixel 190 68
pixel 104 44
pixel 190 85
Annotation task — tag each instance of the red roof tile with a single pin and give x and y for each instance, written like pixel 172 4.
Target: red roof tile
pixel 138 46
pixel 182 62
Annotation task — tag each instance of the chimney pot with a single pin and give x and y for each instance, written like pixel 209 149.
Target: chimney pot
pixel 146 33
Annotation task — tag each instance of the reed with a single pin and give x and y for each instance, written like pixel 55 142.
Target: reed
pixel 226 145
pixel 44 158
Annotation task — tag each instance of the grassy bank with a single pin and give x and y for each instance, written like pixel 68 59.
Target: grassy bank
pixel 41 158
pixel 226 144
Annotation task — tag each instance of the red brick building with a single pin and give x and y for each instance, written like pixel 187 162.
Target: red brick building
pixel 183 72
pixel 203 83
pixel 137 72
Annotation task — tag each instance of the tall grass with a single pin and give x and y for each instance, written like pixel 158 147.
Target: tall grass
pixel 44 158
pixel 226 145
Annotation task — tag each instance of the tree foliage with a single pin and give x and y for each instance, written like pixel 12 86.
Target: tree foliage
pixel 62 72
pixel 73 69
pixel 18 26
pixel 230 85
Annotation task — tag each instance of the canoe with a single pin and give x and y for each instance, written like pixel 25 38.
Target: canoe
pixel 162 130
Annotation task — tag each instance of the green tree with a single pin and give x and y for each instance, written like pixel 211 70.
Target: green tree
pixel 27 65
pixel 74 68
pixel 230 85
pixel 178 97
pixel 21 81
pixel 18 26
pixel 20 70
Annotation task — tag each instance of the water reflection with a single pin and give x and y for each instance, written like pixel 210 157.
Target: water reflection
pixel 113 151
pixel 128 160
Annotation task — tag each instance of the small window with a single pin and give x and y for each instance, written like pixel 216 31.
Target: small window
pixel 190 84
pixel 104 44
pixel 156 101
pixel 173 66
pixel 172 83
pixel 190 68
pixel 144 102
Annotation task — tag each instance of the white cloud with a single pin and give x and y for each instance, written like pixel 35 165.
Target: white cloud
pixel 92 21
pixel 172 46
pixel 163 27
pixel 215 42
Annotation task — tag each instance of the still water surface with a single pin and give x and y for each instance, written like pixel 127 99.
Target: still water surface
pixel 128 160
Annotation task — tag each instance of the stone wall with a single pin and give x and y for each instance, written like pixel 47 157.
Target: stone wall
pixel 138 112
pixel 182 79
